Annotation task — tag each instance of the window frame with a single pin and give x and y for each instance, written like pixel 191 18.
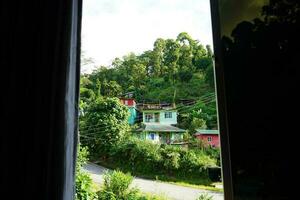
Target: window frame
pixel 168 115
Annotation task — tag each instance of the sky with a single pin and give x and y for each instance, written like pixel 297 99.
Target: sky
pixel 114 28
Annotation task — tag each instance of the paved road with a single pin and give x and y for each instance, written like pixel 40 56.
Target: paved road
pixel 174 192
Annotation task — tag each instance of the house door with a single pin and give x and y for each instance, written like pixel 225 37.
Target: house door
pixel 156 117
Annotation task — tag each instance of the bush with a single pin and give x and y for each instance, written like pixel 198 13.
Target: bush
pixel 83 182
pixel 82 156
pixel 205 197
pixel 149 159
pixel 84 189
pixel 137 155
pixel 116 186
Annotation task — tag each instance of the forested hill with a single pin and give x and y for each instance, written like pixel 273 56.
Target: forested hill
pixel 174 69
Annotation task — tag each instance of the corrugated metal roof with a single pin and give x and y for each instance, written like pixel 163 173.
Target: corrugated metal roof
pixel 160 128
pixel 205 131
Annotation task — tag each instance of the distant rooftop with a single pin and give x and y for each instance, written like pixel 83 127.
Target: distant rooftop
pixel 160 128
pixel 205 131
pixel 156 106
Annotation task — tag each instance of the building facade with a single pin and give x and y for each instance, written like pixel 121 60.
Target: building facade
pixel 131 105
pixel 210 137
pixel 159 124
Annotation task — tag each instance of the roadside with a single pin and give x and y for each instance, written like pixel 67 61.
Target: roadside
pixel 171 191
pixel 193 183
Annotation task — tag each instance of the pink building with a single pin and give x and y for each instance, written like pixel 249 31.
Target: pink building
pixel 211 137
pixel 128 102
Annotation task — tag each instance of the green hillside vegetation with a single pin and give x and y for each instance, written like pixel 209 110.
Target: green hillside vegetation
pixel 175 69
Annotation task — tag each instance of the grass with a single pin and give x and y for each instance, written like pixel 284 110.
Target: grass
pixel 197 183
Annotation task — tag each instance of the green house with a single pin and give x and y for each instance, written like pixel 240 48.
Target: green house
pixel 159 124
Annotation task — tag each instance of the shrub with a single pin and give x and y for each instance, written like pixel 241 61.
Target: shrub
pixel 84 189
pixel 170 158
pixel 116 186
pixel 82 156
pixel 205 197
pixel 83 182
pixel 137 155
pixel 146 158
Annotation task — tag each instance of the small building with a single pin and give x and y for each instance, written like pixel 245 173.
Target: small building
pixel 159 123
pixel 160 133
pixel 131 105
pixel 211 137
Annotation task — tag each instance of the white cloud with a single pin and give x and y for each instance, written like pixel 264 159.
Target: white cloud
pixel 113 28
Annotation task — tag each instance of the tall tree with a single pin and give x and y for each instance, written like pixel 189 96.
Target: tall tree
pixel 105 124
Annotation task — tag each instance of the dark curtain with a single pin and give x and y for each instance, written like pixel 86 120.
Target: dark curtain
pixel 257 50
pixel 40 47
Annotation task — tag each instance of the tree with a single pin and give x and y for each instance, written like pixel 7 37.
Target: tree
pixel 105 125
pixel 111 89
pixel 205 111
pixel 170 59
pixel 159 46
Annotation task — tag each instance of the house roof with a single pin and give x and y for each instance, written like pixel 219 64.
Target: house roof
pixel 160 128
pixel 206 132
pixel 152 106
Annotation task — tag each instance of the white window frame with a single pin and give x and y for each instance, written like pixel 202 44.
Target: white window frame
pixel 168 115
pixel 148 117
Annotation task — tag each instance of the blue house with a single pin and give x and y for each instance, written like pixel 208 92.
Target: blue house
pixel 159 124
pixel 131 105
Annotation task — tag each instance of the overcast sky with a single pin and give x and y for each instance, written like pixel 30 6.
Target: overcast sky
pixel 114 28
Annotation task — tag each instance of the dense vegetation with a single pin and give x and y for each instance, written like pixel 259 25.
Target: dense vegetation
pixel 117 187
pixel 173 71
pixel 164 162
pixel 84 184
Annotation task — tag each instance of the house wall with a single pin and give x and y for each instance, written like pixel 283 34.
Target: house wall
pixel 215 139
pixel 128 102
pixel 132 116
pixel 162 119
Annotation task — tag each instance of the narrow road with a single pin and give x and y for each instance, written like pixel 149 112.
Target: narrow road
pixel 174 192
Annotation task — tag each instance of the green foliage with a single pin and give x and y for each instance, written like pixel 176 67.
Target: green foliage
pixel 137 155
pixel 105 125
pixel 110 89
pixel 82 156
pixel 116 187
pixel 173 70
pixel 146 158
pixel 83 183
pixel 201 115
pixel 84 187
pixel 170 158
pixel 205 197
pixel 173 61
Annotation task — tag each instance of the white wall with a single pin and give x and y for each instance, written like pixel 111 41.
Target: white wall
pixel 164 120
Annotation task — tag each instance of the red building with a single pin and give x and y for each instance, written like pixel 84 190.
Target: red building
pixel 128 102
pixel 211 137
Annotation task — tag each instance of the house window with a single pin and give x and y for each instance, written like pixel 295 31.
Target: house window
pixel 151 136
pixel 168 114
pixel 209 139
pixel 148 117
